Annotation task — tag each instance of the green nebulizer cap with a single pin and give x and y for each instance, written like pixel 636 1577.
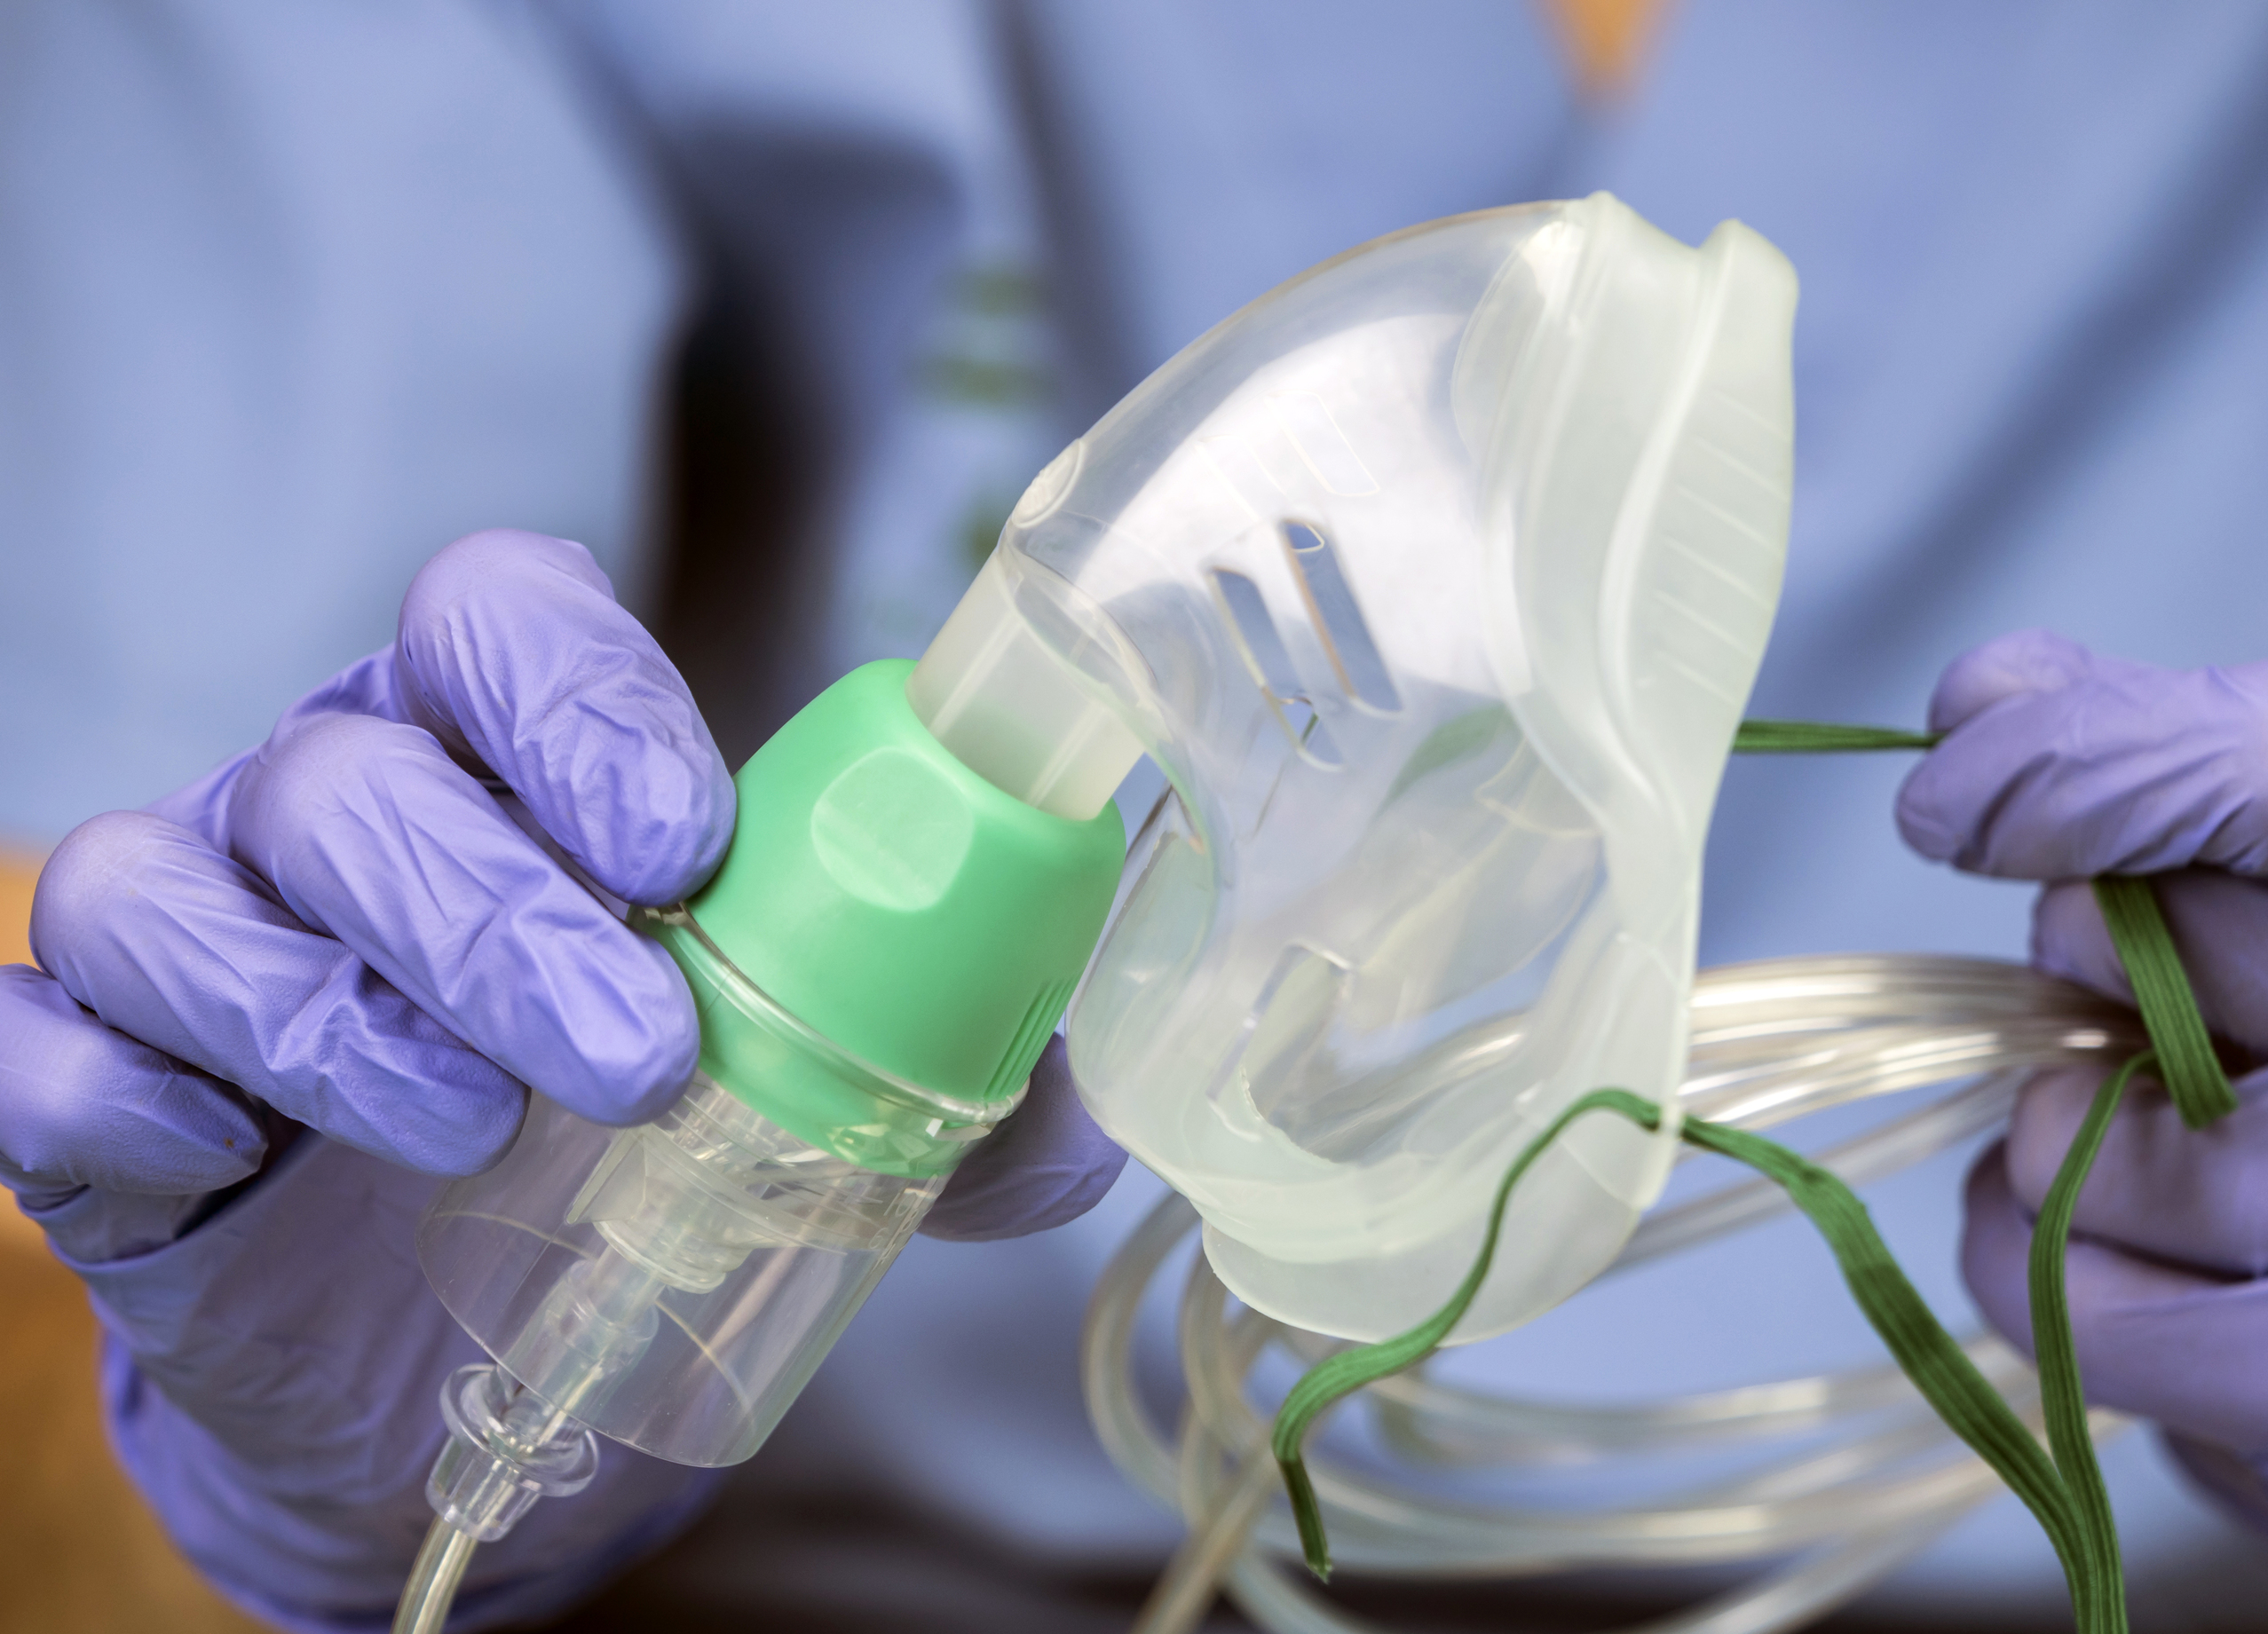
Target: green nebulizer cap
pixel 893 936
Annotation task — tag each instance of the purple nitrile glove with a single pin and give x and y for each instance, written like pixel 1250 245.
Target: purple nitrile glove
pixel 361 927
pixel 2058 765
pixel 347 911
pixel 1043 1167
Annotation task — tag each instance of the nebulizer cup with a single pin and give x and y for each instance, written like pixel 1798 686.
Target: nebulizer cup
pixel 876 966
pixel 1435 581
pixel 673 1285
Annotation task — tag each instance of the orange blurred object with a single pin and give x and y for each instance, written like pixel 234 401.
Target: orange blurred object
pixel 18 873
pixel 1607 40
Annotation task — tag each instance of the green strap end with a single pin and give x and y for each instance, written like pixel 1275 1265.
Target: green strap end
pixel 2186 1061
pixel 1336 1377
pixel 1824 737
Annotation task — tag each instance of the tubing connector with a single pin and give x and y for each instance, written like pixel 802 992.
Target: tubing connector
pixel 506 1448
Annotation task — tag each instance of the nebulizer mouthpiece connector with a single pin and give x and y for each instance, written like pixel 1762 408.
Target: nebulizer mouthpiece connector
pixel 1003 701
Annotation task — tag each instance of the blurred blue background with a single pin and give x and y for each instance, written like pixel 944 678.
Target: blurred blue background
pixel 777 307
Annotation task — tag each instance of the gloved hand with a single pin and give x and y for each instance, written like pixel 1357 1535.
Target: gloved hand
pixel 2060 765
pixel 359 942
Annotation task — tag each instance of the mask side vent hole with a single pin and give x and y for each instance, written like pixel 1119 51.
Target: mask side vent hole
pixel 1338 619
pixel 1261 647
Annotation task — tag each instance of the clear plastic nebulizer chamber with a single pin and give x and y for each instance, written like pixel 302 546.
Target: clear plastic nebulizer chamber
pixel 1435 581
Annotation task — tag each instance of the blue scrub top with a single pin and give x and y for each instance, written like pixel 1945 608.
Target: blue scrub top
pixel 290 296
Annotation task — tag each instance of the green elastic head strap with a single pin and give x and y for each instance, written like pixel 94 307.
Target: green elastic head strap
pixel 2186 1061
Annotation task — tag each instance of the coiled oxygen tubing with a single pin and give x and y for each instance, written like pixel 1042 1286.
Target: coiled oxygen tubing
pixel 1772 1041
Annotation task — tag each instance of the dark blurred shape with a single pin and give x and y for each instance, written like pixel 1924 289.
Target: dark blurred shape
pixel 740 585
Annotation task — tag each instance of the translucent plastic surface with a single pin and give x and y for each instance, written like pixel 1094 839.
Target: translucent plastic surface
pixel 995 695
pixel 1435 580
pixel 1849 1473
pixel 673 1285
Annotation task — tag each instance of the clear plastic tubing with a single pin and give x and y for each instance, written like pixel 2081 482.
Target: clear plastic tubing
pixel 1866 1475
pixel 433 1580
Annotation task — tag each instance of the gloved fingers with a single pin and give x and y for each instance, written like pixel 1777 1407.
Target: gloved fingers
pixel 2009 665
pixel 2103 767
pixel 82 1105
pixel 370 833
pixel 2157 1187
pixel 2177 1346
pixel 2219 922
pixel 172 943
pixel 1046 1165
pixel 513 652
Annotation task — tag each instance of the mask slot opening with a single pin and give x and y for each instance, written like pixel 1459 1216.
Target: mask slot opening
pixel 1261 647
pixel 1337 619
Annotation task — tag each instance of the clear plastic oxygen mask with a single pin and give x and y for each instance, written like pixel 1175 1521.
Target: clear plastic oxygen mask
pixel 1435 581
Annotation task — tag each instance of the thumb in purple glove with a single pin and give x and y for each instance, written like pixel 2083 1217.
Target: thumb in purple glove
pixel 1044 1167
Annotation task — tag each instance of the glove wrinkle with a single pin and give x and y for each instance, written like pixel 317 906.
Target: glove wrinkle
pixel 371 834
pixel 186 949
pixel 598 736
pixel 82 1105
